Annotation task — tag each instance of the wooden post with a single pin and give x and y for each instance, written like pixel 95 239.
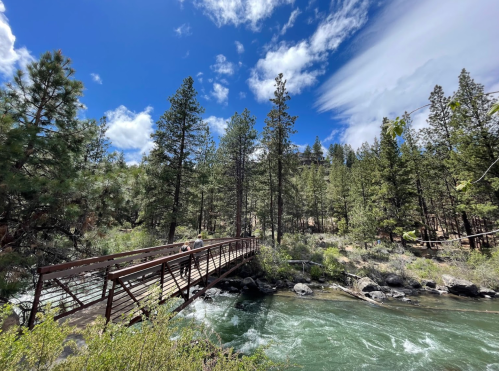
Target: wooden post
pixel 36 301
pixel 162 280
pixel 110 303
pixel 104 288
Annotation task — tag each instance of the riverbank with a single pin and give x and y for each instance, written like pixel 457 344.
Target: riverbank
pixel 387 270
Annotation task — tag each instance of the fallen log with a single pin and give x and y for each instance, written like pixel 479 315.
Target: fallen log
pixel 304 262
pixel 352 275
pixel 356 294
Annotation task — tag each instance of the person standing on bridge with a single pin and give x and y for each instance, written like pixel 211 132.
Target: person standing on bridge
pixel 198 243
pixel 183 264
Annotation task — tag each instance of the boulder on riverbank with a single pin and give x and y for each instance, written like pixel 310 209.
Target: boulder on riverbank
pixel 365 284
pixel 249 283
pixel 459 287
pixel 429 283
pixel 414 283
pixel 394 280
pixel 483 291
pixel 302 289
pixel 265 288
pixel 376 295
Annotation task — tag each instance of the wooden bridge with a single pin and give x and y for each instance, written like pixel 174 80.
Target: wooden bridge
pixel 119 285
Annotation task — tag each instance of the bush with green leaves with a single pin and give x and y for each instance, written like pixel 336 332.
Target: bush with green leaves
pixel 424 268
pixel 116 240
pixel 315 272
pixel 162 342
pixel 331 264
pixel 274 262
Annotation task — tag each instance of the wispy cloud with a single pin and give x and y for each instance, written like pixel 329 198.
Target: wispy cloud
pixel 331 136
pixel 242 95
pixel 302 62
pixel 291 21
pixel 183 30
pixel 408 49
pixel 240 47
pixel 96 78
pixel 10 57
pixel 239 12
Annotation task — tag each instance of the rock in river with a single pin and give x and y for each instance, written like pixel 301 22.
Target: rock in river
pixel 249 283
pixel 302 289
pixel 486 292
pixel 365 284
pixel 397 294
pixel 459 287
pixel 376 295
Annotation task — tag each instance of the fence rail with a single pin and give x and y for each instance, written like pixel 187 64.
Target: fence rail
pixel 76 285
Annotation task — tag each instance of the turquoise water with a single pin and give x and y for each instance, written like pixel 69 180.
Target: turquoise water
pixel 333 332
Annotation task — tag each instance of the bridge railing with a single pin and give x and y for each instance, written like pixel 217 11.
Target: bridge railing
pixel 132 287
pixel 76 285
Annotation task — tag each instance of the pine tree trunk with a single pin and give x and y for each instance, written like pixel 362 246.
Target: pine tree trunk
pixel 271 201
pixel 279 190
pixel 467 228
pixel 176 198
pixel 201 212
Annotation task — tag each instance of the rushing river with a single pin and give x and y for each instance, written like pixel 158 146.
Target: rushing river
pixel 330 331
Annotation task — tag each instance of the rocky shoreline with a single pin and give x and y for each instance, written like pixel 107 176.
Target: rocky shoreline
pixel 393 286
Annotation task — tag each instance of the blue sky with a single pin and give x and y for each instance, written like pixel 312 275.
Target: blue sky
pixel 348 62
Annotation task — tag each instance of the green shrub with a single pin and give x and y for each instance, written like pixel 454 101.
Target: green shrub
pixel 315 272
pixel 331 264
pixel 424 268
pixel 161 343
pixel 273 262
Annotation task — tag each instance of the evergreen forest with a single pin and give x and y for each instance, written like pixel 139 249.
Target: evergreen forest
pixel 65 196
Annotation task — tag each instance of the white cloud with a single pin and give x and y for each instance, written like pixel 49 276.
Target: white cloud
pixel 183 30
pixel 291 21
pixel 186 55
pixel 131 131
pixel 240 47
pixel 217 124
pixel 242 94
pixel 411 47
pixel 10 58
pixel 199 74
pixel 331 136
pixel 302 62
pixel 224 81
pixel 220 92
pixel 96 78
pixel 222 66
pixel 238 12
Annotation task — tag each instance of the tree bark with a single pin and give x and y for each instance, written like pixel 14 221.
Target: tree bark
pixel 176 198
